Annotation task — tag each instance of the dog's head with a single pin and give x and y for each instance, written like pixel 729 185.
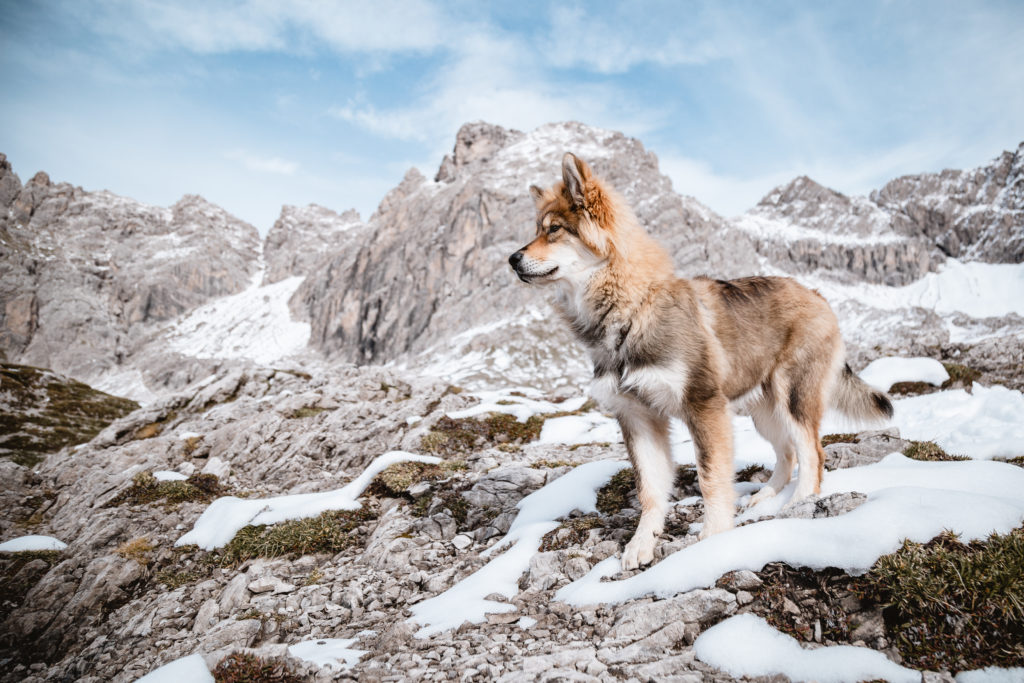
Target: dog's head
pixel 575 228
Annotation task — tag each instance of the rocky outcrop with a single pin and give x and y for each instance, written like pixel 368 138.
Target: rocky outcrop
pixel 434 261
pixel 83 275
pixel 303 236
pixel 973 215
pixel 900 232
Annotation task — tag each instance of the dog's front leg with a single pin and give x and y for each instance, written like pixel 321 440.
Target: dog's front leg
pixel 646 436
pixel 711 429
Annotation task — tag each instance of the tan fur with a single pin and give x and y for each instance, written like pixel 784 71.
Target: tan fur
pixel 665 347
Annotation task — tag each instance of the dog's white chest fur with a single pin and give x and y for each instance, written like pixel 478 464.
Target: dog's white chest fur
pixel 658 387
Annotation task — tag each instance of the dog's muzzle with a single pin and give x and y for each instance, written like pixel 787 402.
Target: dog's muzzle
pixel 515 259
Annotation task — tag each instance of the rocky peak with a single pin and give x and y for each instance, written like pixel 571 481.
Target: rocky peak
pixel 475 142
pixel 10 183
pixel 302 236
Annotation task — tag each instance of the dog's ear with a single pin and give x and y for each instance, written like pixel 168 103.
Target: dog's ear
pixel 537 194
pixel 575 174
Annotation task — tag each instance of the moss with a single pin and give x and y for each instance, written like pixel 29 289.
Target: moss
pixel 912 388
pixel 330 532
pixel 304 412
pixel 587 406
pixel 154 428
pixel 137 549
pixel 953 606
pixel 552 464
pixel 748 472
pixel 614 495
pixel 601 444
pixel 54 412
pixel 960 375
pixel 818 596
pixel 829 439
pixel 929 450
pixel 1018 461
pixel 146 490
pixel 239 667
pixel 396 480
pixel 571 532
pixel 462 435
pixel 191 444
pixel 455 503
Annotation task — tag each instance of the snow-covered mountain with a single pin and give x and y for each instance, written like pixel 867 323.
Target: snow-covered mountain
pixel 364 448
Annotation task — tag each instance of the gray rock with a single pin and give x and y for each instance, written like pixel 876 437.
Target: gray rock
pixel 830 506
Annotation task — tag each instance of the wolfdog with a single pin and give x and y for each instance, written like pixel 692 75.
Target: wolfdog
pixel 665 346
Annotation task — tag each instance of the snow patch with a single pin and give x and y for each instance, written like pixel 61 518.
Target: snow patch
pixel 332 652
pixel 746 645
pixel 992 674
pixel 254 324
pixel 168 475
pixel 907 499
pixel 192 669
pixel 884 372
pixel 466 600
pixel 32 542
pixel 226 516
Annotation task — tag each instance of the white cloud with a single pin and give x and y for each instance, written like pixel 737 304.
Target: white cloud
pixel 268 25
pixel 496 78
pixel 626 35
pixel 254 162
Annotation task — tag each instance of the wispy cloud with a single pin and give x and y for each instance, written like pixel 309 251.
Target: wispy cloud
pixel 267 25
pixel 253 162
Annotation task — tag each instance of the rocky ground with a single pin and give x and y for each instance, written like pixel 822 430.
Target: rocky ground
pixel 122 600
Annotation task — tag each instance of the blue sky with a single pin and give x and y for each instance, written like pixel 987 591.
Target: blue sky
pixel 262 103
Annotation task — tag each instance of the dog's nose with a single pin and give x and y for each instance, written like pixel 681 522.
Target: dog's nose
pixel 514 259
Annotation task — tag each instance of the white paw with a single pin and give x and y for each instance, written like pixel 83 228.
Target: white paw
pixel 764 494
pixel 639 551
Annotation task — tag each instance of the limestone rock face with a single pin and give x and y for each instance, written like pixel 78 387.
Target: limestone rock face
pixel 900 232
pixel 435 256
pixel 85 274
pixel 303 236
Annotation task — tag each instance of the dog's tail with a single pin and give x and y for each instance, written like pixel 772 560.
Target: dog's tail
pixel 853 397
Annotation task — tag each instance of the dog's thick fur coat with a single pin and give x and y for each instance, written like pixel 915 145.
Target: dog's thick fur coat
pixel 665 347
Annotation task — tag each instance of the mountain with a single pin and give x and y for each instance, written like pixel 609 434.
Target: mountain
pixel 362 449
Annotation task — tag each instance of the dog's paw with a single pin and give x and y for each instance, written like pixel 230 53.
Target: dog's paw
pixel 638 552
pixel 764 494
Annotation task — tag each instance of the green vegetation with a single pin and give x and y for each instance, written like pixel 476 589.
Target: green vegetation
pixel 396 480
pixel 929 450
pixel 614 495
pixel 52 412
pixel 552 464
pixel 137 549
pixel 829 439
pixel 239 667
pixel 304 412
pixel 954 606
pixel 329 532
pixel 1018 460
pixel 146 490
pixel 911 388
pixel 960 375
pixel 452 436
pixel 571 532
pixel 748 472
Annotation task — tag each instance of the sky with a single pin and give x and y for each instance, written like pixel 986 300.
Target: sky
pixel 259 103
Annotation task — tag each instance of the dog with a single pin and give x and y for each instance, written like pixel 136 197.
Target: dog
pixel 665 346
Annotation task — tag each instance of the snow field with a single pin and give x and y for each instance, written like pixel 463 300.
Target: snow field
pixel 254 324
pixel 884 372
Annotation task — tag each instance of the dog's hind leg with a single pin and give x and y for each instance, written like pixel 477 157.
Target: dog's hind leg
pixel 711 430
pixel 646 436
pixel 803 413
pixel 769 425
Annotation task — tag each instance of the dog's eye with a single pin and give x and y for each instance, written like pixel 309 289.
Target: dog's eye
pixel 553 229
